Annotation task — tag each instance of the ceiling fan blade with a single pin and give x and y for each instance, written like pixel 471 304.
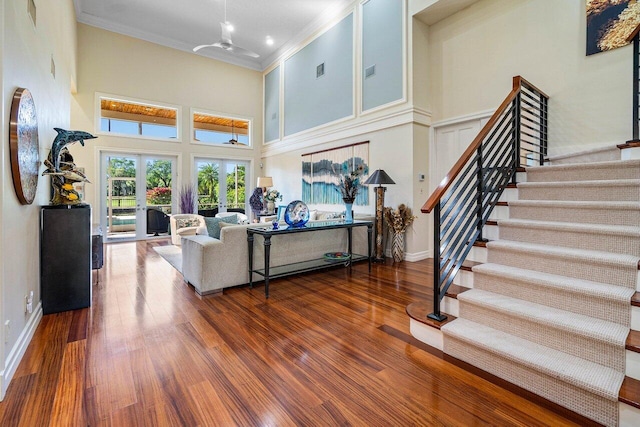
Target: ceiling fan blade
pixel 197 48
pixel 242 51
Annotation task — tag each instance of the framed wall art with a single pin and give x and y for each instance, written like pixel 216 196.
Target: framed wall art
pixel 23 146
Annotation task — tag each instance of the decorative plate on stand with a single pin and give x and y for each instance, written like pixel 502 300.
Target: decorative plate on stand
pixel 296 214
pixel 23 146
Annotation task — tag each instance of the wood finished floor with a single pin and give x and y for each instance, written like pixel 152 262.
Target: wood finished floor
pixel 327 348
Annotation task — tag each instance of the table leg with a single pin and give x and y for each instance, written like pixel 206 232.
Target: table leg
pixel 369 233
pixel 250 242
pixel 267 251
pixel 349 250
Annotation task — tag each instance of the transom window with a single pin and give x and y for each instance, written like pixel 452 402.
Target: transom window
pixel 215 129
pixel 126 117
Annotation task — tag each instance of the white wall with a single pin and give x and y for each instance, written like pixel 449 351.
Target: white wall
pixel 474 54
pixel 398 135
pixel 120 65
pixel 391 149
pixel 26 62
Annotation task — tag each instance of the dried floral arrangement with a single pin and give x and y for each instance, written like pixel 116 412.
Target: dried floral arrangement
pixel 350 182
pixel 187 199
pixel 399 219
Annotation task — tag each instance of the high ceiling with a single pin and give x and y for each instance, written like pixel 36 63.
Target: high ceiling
pixel 185 24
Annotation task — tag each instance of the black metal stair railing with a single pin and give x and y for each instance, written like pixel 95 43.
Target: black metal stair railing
pixel 514 137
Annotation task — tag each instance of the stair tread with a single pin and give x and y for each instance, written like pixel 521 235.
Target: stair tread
pixel 606 229
pixel 602 290
pixel 622 260
pixel 612 164
pixel 633 341
pixel 577 204
pixel 574 323
pixel 586 183
pixel 635 299
pixel 596 378
pixel 419 310
pixel 630 392
pixel 455 290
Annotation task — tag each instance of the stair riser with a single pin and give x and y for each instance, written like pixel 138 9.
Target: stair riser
pixel 571 239
pixel 582 174
pixel 577 399
pixel 575 302
pixel 591 193
pixel 478 254
pixel 584 216
pixel 580 268
pixel 602 352
pixel 499 212
pixel 464 278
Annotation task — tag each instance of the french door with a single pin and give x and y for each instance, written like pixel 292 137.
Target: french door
pixel 222 185
pixel 137 194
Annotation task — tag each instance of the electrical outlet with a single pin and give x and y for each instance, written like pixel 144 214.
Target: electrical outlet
pixel 29 303
pixel 7 331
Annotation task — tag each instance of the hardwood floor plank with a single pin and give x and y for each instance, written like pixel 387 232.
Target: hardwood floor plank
pixel 67 405
pixel 327 348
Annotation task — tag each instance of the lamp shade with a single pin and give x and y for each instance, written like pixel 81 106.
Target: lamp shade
pixel 265 181
pixel 379 177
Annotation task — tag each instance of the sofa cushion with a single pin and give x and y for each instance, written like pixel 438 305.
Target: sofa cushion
pixel 213 224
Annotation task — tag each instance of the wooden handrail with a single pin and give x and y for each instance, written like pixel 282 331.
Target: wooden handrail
pixel 473 147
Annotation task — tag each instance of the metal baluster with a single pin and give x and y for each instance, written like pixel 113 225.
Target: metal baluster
pixel 436 315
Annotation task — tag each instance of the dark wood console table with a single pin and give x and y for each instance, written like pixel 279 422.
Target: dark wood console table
pixel 299 267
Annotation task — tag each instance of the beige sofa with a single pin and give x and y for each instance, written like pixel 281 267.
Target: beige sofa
pixel 211 265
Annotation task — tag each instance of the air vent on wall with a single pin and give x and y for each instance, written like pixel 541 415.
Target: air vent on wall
pixel 370 71
pixel 320 70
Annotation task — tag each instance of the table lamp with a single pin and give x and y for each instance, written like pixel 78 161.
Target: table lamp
pixel 379 177
pixel 264 182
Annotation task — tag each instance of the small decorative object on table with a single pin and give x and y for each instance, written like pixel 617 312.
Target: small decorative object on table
pixel 275 224
pixel 296 214
pixel 337 256
pixel 349 187
pixel 63 171
pixel 271 196
pixel 398 220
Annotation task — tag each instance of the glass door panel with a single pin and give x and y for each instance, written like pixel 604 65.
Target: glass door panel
pixel 120 196
pixel 208 180
pixel 221 192
pixel 236 180
pixel 159 195
pixel 137 195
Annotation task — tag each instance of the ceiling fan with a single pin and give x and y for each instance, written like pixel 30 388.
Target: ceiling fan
pixel 234 138
pixel 225 40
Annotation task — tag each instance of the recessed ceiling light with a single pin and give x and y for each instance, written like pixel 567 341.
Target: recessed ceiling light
pixel 229 26
pixel 269 40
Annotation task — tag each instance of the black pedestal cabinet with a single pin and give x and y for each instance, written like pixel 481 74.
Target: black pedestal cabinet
pixel 65 258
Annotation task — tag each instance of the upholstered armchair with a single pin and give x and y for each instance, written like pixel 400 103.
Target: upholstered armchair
pixel 186 225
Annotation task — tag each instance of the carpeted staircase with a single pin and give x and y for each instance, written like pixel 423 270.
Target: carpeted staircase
pixel 550 310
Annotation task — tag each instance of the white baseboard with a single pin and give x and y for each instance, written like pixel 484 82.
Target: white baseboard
pixel 18 350
pixel 416 256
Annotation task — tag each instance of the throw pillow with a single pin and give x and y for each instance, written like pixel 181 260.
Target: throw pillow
pixel 187 222
pixel 213 224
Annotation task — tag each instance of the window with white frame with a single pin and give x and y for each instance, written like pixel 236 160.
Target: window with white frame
pixel 139 119
pixel 219 129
